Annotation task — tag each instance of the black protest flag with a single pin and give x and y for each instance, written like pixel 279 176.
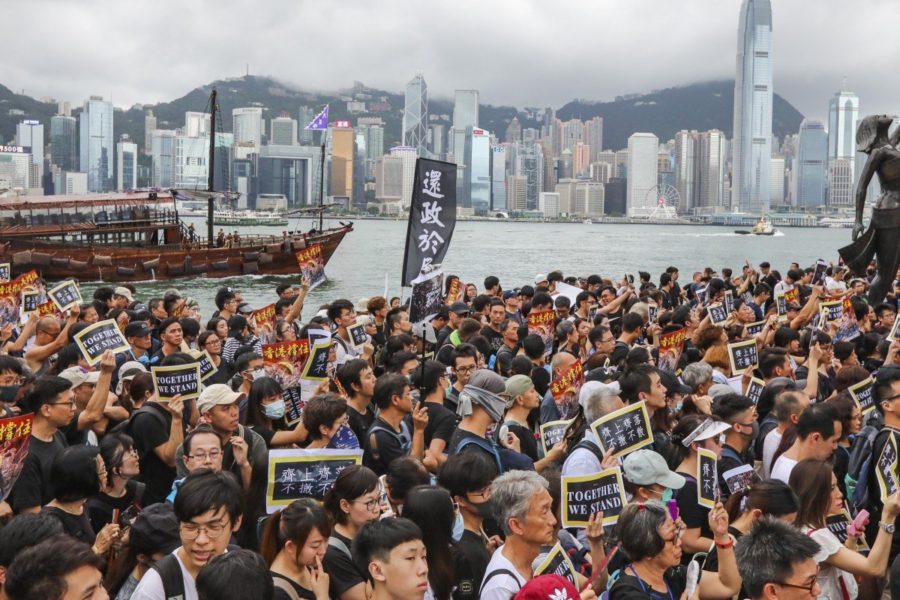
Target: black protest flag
pixel 432 218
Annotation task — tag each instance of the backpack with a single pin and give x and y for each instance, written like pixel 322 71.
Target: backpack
pixel 586 445
pixel 170 573
pixel 484 445
pixel 860 464
pixel 499 572
pixel 768 424
pixel 285 586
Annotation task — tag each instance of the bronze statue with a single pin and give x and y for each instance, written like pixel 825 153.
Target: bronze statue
pixel 882 239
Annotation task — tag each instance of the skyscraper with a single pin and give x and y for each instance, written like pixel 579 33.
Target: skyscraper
pixel 96 147
pixel 284 130
pixel 305 114
pixel 247 125
pixel 514 131
pixel 196 124
pixel 63 146
pixel 149 127
pixel 593 136
pixel 477 175
pixel 415 115
pixel 811 161
pixel 465 114
pixel 712 170
pixel 342 154
pixel 752 149
pixel 126 164
pixel 642 172
pixel 498 177
pixel 843 114
pixel 30 134
pixel 687 169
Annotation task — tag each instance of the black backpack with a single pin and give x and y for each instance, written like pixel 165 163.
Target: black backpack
pixel 170 573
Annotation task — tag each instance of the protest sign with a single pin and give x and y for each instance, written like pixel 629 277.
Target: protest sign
pixel 452 291
pixel 747 297
pixel 541 323
pixel 624 430
pixel 4 272
pixel 742 355
pixel 552 433
pixel 299 473
pixel 831 311
pixel 781 305
pixel 707 478
pixel 432 218
pixel 652 312
pixel 316 368
pixel 358 335
pixel 792 296
pixel 426 300
pixel 729 301
pixel 569 291
pixel 671 345
pixel 754 389
pixel 702 295
pixel 314 335
pixel 557 562
pixel 284 361
pixel 848 326
pixel 863 393
pixel 585 495
pixel 312 265
pixel 569 383
pixel 838 523
pixel 96 339
pixel 10 296
pixel 65 295
pixel 30 302
pixel 718 314
pixel 818 277
pixel 265 323
pixel 207 366
pixel 754 329
pixel 293 405
pixel 15 436
pixel 886 471
pixel 173 380
pixel 739 478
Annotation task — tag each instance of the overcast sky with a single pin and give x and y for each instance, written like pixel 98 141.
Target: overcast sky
pixel 518 52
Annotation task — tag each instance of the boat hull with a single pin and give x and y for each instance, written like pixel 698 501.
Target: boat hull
pixel 259 255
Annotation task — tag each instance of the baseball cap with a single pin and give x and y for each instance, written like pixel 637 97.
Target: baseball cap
pixel 155 529
pixel 78 376
pixel 137 329
pixel 720 389
pixel 124 292
pixel 540 278
pixel 217 394
pixel 362 306
pixel 129 369
pixel 460 308
pixel 245 309
pixel 510 294
pixel 518 385
pixel 548 587
pixel 646 467
pixel 672 384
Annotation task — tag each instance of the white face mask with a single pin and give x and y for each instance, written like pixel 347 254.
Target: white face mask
pixel 258 373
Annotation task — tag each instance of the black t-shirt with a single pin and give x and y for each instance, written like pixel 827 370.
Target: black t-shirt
pixel 266 434
pixel 342 573
pixel 360 423
pixel 76 526
pixel 494 338
pixel 34 487
pixel 528 444
pixel 630 587
pixel 100 508
pixel 301 591
pixel 620 351
pixel 149 432
pixel 441 424
pixel 382 447
pixel 692 513
pixel 726 463
pixel 470 561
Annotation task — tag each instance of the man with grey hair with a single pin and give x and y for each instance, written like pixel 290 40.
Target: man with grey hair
pixel 776 560
pixel 699 377
pixel 523 508
pixel 596 400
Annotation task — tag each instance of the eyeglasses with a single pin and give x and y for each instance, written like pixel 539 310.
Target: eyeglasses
pixel 806 587
pixel 889 398
pixel 70 403
pixel 215 342
pixel 191 531
pixel 483 493
pixel 369 504
pixel 201 456
pixel 465 369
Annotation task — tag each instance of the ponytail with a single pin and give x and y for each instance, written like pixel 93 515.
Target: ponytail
pixel 270 544
pixel 293 523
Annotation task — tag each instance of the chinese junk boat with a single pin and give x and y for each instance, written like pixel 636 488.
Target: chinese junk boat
pixel 135 237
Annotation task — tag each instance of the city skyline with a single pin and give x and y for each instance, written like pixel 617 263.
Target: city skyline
pixel 809 67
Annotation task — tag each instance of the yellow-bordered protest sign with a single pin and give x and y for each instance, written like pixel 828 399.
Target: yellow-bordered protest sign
pixel 624 430
pixel 298 473
pixel 586 495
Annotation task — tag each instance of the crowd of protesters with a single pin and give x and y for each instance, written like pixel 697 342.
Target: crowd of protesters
pixel 122 495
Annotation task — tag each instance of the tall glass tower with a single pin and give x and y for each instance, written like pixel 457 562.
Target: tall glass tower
pixel 415 115
pixel 96 145
pixel 752 150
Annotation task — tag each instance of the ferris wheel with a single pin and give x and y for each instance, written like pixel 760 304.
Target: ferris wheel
pixel 661 202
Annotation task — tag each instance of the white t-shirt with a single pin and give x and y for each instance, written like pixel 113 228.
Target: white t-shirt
pixel 502 586
pixel 151 585
pixel 782 468
pixel 830 577
pixel 833 285
pixel 770 445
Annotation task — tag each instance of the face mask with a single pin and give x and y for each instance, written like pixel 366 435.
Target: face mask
pixel 8 393
pixel 258 374
pixel 676 409
pixel 275 410
pixel 484 509
pixel 755 433
pixel 458 528
pixel 667 495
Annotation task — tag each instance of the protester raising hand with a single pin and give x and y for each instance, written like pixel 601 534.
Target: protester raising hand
pixel 420 417
pixel 106 537
pixel 718 523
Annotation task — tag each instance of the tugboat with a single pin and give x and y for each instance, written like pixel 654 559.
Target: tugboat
pixel 763 227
